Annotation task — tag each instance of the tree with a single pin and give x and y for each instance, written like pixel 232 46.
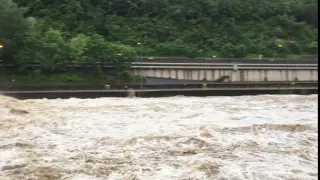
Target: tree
pixel 124 56
pixel 53 51
pixel 78 47
pixel 184 27
pixel 97 49
pixel 13 27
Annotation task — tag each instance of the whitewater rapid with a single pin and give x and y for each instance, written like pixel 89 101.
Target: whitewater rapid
pixel 179 138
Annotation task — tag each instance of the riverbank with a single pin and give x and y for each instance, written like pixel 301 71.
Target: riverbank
pixel 65 78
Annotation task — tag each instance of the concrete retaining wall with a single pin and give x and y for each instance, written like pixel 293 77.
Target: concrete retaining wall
pixel 241 75
pixel 160 93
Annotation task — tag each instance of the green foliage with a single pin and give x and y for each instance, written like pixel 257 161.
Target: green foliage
pixel 233 51
pixel 97 49
pixel 311 47
pixel 91 30
pixel 53 50
pixel 98 71
pixel 294 48
pixel 71 78
pixel 13 27
pixel 78 47
pixel 65 78
pixel 125 55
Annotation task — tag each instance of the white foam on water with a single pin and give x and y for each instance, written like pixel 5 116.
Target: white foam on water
pixel 178 138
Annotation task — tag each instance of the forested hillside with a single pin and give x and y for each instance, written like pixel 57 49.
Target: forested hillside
pixel 108 30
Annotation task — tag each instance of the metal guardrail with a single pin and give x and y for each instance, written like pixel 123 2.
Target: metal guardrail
pixel 219 64
pixel 226 67
pixel 305 60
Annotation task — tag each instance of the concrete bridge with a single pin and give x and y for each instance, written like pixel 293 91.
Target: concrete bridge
pixel 227 72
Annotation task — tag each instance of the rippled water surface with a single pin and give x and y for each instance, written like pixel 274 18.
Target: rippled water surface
pixel 178 138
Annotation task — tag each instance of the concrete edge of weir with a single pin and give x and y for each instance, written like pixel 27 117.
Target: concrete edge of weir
pixel 148 93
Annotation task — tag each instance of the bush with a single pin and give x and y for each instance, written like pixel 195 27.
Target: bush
pixel 232 51
pixel 310 48
pixel 192 52
pixel 98 71
pixel 253 56
pixel 294 48
pixel 59 78
pixel 73 78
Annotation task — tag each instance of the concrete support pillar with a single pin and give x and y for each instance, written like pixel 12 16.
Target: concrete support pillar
pixel 131 93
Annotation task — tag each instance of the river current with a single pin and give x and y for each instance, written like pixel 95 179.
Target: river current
pixel 179 138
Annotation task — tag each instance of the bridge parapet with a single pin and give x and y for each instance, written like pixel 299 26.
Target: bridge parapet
pixel 240 73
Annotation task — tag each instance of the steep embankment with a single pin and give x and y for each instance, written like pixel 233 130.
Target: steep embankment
pixel 190 27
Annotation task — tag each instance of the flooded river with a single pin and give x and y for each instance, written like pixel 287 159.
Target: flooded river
pixel 178 138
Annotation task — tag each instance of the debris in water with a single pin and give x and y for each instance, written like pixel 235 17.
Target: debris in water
pixel 18 111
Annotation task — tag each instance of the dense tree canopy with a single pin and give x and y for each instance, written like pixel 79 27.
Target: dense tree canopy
pixel 12 27
pixel 108 30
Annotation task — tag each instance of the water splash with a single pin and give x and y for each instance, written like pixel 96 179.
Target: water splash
pixel 178 138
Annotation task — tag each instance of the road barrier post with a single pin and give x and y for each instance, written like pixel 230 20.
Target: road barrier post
pixel 235 67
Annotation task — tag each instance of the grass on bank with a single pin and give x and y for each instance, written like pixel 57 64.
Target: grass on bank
pixel 67 78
